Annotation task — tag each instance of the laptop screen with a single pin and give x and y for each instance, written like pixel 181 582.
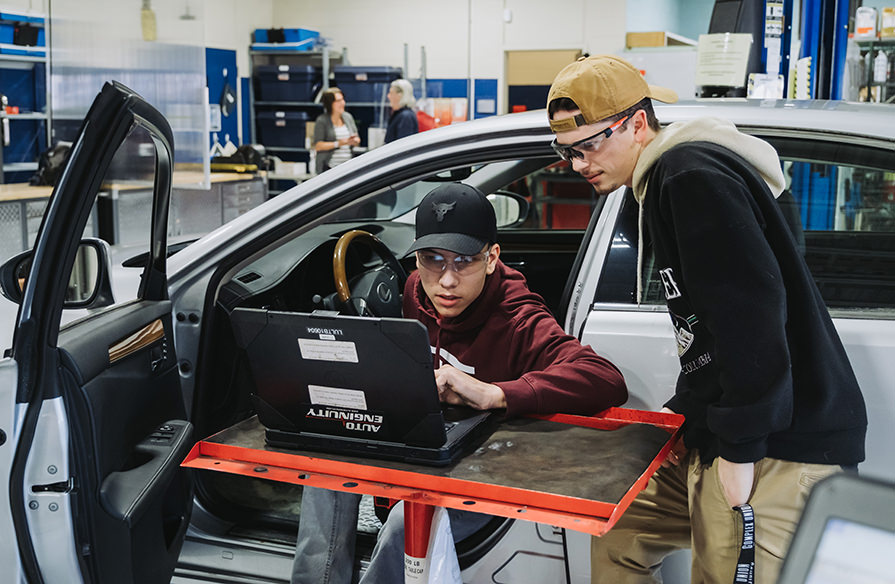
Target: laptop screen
pixel 852 552
pixel 846 534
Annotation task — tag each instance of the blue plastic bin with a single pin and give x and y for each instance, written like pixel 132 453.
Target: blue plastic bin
pixel 296 35
pixel 281 128
pixel 6 33
pixel 286 82
pixel 364 84
pixel 294 39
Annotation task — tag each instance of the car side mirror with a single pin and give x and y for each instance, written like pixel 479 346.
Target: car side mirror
pixel 89 286
pixel 510 208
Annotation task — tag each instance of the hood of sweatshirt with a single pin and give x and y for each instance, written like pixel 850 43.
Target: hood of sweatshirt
pixel 755 151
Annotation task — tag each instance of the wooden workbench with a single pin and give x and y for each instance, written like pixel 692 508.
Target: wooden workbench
pixel 121 211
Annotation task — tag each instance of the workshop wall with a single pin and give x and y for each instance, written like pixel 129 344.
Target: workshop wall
pixel 462 39
pixel 25 5
pixel 689 18
pixel 229 25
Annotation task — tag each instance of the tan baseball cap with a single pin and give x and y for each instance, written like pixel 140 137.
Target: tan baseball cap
pixel 601 86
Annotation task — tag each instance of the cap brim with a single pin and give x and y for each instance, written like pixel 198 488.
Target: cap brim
pixel 662 94
pixel 455 242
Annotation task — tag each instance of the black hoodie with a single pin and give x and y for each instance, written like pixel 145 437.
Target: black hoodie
pixel 763 371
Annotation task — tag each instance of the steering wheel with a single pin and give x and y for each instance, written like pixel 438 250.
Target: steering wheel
pixel 377 291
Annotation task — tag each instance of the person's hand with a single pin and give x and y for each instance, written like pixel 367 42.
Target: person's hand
pixel 678 451
pixel 458 388
pixel 353 140
pixel 736 481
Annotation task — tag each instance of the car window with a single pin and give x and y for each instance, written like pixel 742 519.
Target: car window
pixel 840 201
pixel 558 198
pixel 124 212
pixel 848 216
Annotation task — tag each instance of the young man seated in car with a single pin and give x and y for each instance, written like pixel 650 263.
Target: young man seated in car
pixel 495 346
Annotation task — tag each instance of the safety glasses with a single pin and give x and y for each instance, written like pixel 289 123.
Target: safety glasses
pixel 461 264
pixel 590 144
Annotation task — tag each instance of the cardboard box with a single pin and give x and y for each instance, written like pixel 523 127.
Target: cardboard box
pixel 656 39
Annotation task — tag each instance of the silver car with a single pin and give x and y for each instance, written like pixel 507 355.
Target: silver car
pixel 97 414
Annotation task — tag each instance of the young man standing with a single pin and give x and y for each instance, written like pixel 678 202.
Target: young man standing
pixel 770 399
pixel 495 345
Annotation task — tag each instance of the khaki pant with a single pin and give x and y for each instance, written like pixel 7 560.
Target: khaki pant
pixel 684 507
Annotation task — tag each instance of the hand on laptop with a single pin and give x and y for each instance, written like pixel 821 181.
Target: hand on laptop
pixel 458 388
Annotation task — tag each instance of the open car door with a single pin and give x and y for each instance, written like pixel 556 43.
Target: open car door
pixel 92 420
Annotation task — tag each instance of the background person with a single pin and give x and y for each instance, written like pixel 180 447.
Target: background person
pixel 770 399
pixel 335 132
pixel 402 121
pixel 495 345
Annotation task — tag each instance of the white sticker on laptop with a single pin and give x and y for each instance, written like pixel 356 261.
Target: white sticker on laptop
pixel 322 350
pixel 337 397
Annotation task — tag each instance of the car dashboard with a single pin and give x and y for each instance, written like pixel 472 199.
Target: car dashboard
pixel 298 275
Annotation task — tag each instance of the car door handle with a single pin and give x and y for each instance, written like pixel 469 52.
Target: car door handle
pixel 157 356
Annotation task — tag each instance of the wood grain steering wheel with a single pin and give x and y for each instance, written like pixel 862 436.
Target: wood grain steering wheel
pixel 377 291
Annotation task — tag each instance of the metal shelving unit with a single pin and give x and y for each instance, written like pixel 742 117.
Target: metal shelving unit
pixel 872 47
pixel 35 125
pixel 325 59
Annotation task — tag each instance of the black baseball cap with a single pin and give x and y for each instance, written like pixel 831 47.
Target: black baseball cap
pixel 455 217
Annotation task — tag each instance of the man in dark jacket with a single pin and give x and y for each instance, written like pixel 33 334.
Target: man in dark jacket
pixel 771 402
pixel 495 345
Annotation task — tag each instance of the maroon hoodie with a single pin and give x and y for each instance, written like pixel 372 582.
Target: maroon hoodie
pixel 508 337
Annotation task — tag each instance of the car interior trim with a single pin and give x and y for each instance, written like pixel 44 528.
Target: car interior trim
pixel 151 333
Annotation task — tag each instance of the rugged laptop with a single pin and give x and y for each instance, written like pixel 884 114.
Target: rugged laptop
pixel 352 385
pixel 846 534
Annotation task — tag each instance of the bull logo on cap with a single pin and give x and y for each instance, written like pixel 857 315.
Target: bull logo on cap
pixel 441 209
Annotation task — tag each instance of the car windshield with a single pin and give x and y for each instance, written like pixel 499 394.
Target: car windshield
pixel 398 203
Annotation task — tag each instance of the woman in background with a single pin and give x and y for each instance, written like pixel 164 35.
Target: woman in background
pixel 335 132
pixel 403 119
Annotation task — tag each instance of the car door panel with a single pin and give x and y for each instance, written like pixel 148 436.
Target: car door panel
pixel 129 397
pixel 130 418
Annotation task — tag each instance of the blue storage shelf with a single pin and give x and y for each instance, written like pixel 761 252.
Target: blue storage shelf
pixel 23 79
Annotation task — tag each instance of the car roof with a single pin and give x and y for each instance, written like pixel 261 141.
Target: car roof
pixel 527 133
pixel 834 117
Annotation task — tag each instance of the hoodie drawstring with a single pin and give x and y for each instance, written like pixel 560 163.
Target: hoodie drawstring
pixel 640 252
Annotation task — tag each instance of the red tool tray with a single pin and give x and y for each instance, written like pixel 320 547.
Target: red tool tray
pixel 576 472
